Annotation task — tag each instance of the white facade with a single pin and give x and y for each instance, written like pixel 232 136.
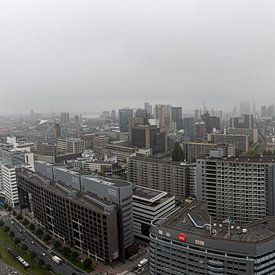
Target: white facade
pixel 147 208
pixel 10 183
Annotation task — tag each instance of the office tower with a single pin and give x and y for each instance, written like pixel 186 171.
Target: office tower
pixel 65 118
pixel 271 110
pixel 113 114
pixel 71 145
pixel 201 130
pixel 245 107
pixel 168 176
pixel 240 141
pixel 77 125
pixel 189 127
pixel 159 115
pixel 247 121
pixel 149 137
pixel 57 130
pixel 149 204
pixel 197 115
pixel 8 173
pixel 148 108
pixel 240 188
pixel 177 117
pixel 263 111
pixel 234 122
pixel 93 213
pixel 194 150
pixel 211 122
pixel 124 115
pixel 10 160
pixel 189 242
pixel 143 114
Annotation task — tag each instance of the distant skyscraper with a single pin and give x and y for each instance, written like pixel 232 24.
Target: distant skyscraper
pixel 189 127
pixel 245 107
pixel 177 117
pixel 197 115
pixel 263 111
pixel 65 118
pixel 148 108
pixel 113 114
pixel 77 124
pixel 164 115
pixel 57 130
pixel 124 115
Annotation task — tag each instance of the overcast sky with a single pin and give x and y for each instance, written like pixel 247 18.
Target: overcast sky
pixel 86 56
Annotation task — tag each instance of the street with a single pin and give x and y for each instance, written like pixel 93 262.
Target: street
pixel 34 244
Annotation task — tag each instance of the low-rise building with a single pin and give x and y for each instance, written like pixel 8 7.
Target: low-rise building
pixel 149 204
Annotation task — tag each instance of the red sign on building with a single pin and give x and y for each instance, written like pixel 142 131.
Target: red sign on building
pixel 182 237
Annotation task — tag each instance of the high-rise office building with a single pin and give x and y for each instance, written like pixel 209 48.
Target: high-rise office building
pixel 149 137
pixel 263 111
pixel 143 114
pixel 57 130
pixel 177 117
pixel 211 122
pixel 124 115
pixel 65 118
pixel 190 242
pixel 148 108
pixel 189 127
pixel 201 130
pixel 240 188
pixel 77 124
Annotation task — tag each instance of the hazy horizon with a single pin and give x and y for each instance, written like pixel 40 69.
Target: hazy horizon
pixel 88 56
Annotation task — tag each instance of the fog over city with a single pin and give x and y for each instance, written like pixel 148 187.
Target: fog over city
pixel 89 55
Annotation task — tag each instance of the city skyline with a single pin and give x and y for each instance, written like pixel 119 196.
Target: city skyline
pixel 93 56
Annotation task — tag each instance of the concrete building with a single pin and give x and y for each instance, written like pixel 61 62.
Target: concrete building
pixel 149 137
pixel 211 122
pixel 149 204
pixel 252 133
pixel 46 149
pixel 168 176
pixel 241 142
pixel 71 145
pixel 177 117
pixel 189 127
pixel 194 150
pixel 240 188
pixel 124 115
pixel 9 182
pixel 102 192
pixel 187 243
pixel 201 130
pixel 85 221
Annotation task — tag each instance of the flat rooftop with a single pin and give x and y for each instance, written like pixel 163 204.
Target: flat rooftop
pixel 251 233
pixel 108 181
pixel 147 194
pixel 242 159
